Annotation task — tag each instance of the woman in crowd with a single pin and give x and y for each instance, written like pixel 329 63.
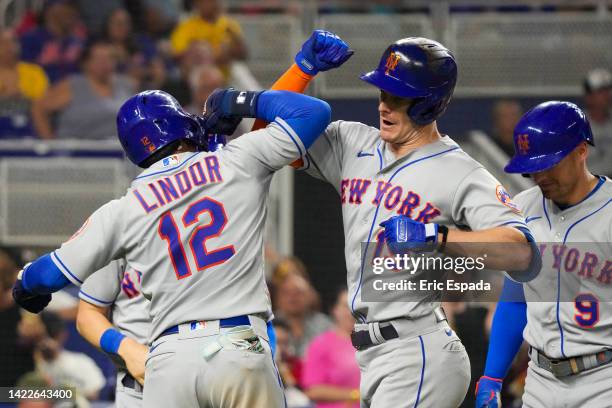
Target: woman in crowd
pixel 21 83
pixel 136 54
pixel 86 104
pixel 297 303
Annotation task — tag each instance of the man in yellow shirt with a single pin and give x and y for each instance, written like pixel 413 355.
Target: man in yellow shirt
pixel 21 84
pixel 210 25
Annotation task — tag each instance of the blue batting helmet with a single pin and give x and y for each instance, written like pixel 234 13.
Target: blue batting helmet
pixel 151 120
pixel 546 134
pixel 419 69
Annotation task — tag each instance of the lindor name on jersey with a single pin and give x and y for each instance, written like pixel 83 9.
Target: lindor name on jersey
pixel 165 190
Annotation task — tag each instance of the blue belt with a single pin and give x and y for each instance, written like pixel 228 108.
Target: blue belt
pixel 229 322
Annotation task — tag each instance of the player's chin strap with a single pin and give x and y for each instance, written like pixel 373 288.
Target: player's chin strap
pixel 235 338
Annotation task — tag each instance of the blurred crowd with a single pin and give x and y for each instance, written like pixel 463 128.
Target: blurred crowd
pixel 65 71
pixel 596 103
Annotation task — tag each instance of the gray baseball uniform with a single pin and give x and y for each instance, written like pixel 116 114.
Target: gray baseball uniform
pixel 192 224
pixel 118 287
pixel 435 183
pixel 576 248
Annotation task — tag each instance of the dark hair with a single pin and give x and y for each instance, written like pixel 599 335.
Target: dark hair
pixel 8 274
pixel 90 45
pixel 131 43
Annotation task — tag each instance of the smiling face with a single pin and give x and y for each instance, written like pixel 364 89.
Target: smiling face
pixel 395 125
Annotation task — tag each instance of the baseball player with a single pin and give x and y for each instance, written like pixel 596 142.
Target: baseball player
pixel 408 177
pixel 563 314
pixel 192 223
pixel 111 298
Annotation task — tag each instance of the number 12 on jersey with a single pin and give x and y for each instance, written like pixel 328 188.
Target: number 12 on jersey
pixel 204 258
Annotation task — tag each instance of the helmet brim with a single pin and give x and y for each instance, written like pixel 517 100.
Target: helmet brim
pixel 392 85
pixel 528 165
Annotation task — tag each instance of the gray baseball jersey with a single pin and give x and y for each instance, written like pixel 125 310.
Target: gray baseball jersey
pixel 192 224
pixel 568 305
pixel 118 287
pixel 437 183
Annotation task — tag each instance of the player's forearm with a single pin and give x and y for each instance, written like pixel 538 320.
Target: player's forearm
pixel 503 248
pixel 294 80
pixel 43 277
pixel 92 322
pixel 328 393
pixel 506 337
pixel 307 116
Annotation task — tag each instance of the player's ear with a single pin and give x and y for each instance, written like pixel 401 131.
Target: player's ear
pixel 582 150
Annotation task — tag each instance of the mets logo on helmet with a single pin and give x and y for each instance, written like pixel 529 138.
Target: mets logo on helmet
pixel 523 143
pixel 391 62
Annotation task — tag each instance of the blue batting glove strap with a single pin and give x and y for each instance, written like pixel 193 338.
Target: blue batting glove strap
pixel 488 392
pixel 402 234
pixel 322 51
pixel 224 108
pixel 111 340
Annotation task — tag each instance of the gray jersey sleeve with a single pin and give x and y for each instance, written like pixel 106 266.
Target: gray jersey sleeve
pixel 480 202
pixel 324 158
pixel 98 242
pixel 102 288
pixel 266 150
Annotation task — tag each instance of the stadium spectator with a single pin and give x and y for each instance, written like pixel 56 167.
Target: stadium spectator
pixel 289 367
pixel 58 43
pixel 95 14
pixel 296 304
pixel 136 53
pixel 598 101
pixel 15 357
pixel 86 103
pixel 506 114
pixel 202 81
pixel 208 23
pixel 293 265
pixel 63 368
pixel 21 83
pixel 197 54
pixel 160 16
pixel 330 374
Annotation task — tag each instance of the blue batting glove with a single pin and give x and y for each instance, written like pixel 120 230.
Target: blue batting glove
pixel 402 234
pixel 321 52
pixel 31 302
pixel 225 108
pixel 488 392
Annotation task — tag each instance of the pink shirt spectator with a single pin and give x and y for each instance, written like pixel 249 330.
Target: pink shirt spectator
pixel 330 360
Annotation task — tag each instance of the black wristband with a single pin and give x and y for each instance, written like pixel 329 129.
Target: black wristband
pixel 444 230
pixel 242 104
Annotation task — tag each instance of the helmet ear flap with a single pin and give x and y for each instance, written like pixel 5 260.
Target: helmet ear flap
pixel 420 111
pixel 423 111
